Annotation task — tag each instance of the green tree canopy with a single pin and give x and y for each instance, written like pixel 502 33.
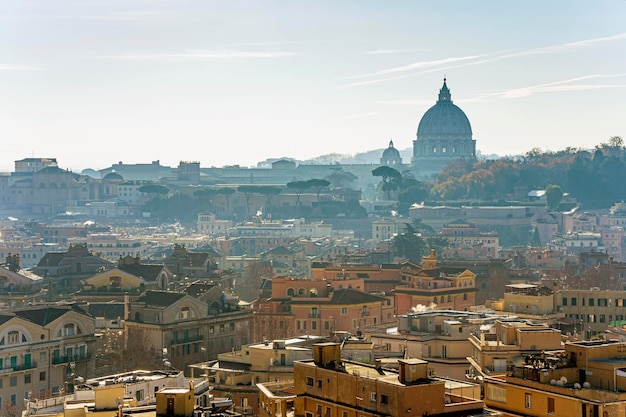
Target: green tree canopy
pixel 318 185
pixel 154 189
pixel 391 178
pixel 554 195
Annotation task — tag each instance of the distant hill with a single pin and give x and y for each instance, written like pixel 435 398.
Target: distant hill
pixel 368 157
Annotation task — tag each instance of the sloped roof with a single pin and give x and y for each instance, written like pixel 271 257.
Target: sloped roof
pixel 51 259
pixel 106 310
pixel 5 317
pixel 279 250
pixel 352 296
pixel 198 258
pixel 160 298
pixel 45 315
pixel 198 288
pixel 148 272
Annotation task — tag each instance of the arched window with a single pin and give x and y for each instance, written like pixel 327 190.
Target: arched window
pixel 13 337
pixel 69 329
pixel 186 313
pixel 115 282
pixel 291 292
pixel 301 291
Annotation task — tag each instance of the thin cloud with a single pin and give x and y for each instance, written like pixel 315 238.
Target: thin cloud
pixel 392 51
pixel 565 46
pixel 378 80
pixel 204 54
pixel 384 51
pixel 416 66
pixel 457 62
pixel 567 85
pixel 8 67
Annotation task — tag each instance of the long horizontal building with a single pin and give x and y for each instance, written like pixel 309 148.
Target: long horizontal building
pixel 329 387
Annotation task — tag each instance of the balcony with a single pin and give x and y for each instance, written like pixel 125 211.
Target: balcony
pixel 189 339
pixel 315 315
pixel 16 368
pixel 71 358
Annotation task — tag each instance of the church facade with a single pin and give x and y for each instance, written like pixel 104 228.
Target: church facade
pixel 444 134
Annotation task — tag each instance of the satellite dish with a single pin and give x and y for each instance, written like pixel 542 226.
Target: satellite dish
pixel 167 363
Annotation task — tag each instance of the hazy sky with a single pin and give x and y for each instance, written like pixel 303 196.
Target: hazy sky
pixel 94 82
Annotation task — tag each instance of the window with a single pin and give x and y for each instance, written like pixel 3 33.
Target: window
pixel 528 401
pixel 384 399
pixel 573 301
pixel 373 397
pixel 13 381
pixel 139 395
pixel 550 405
pixel 27 378
pixel 42 375
pixel 591 302
pixel 564 301
pixel 313 325
pixel 319 383
pixel 14 337
pixel 309 381
pixel 444 351
pixel 495 393
pixel 344 311
pixel 13 399
pixel 69 330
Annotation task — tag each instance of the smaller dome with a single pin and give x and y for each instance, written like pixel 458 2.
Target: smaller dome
pixel 113 176
pixel 391 152
pixel 391 156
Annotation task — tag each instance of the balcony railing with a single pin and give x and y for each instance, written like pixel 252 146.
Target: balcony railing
pixel 315 315
pixel 189 339
pixel 21 367
pixel 71 358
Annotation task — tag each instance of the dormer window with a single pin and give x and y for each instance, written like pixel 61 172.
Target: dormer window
pixel 13 337
pixel 69 329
